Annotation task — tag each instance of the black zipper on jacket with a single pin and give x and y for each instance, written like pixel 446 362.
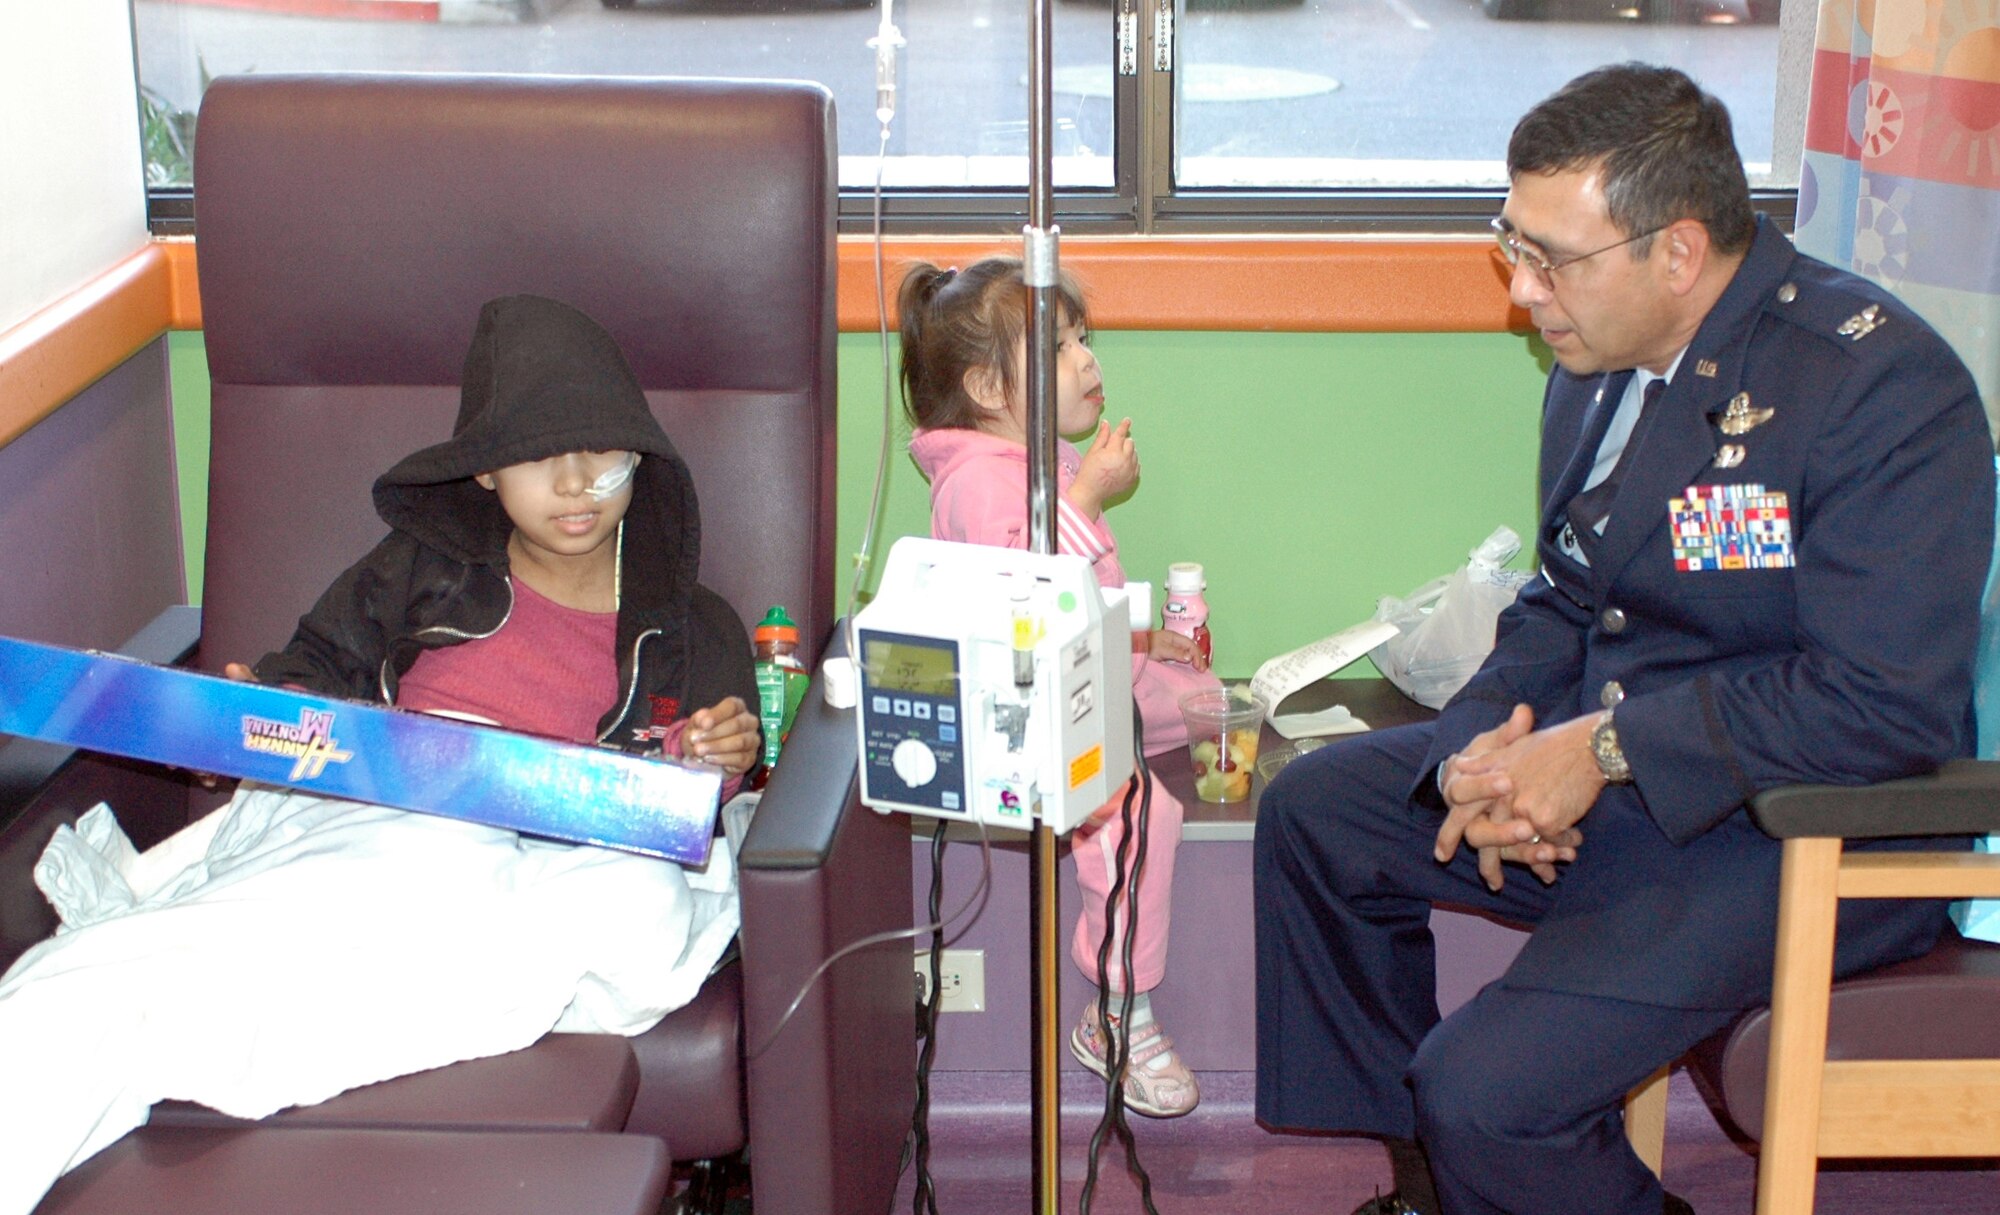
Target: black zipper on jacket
pixel 382 678
pixel 631 687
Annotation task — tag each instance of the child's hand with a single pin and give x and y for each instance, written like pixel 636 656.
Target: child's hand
pixel 1110 467
pixel 1165 645
pixel 725 735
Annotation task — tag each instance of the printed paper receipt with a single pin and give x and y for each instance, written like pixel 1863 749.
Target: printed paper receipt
pixel 1287 673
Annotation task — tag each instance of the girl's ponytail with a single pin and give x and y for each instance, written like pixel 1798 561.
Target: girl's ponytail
pixel 953 323
pixel 926 367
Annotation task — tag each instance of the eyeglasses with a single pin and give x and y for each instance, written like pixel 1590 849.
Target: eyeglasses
pixel 1543 269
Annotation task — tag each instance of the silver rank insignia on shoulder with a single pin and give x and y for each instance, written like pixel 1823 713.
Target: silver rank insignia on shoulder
pixel 1705 368
pixel 1729 455
pixel 1740 418
pixel 1862 323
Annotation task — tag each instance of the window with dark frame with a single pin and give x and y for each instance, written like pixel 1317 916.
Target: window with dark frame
pixel 1170 115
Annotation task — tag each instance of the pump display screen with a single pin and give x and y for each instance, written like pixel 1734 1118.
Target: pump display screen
pixel 911 753
pixel 919 670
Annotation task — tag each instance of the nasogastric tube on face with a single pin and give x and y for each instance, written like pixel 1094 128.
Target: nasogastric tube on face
pixel 613 480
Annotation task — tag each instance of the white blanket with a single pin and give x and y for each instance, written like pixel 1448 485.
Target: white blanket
pixel 290 947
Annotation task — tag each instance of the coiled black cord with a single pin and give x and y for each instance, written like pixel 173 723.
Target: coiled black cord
pixel 1119 1043
pixel 917 1144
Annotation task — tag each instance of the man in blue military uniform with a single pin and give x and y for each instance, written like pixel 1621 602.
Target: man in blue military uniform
pixel 1767 507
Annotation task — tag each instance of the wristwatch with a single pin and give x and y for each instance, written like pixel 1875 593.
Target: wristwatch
pixel 1610 756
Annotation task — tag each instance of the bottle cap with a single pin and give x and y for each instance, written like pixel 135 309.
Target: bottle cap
pixel 1184 578
pixel 838 685
pixel 775 626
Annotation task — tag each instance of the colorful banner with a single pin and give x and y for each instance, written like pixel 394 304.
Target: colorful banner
pixel 1901 176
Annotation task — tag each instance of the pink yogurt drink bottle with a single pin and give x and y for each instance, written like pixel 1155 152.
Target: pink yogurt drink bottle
pixel 1185 611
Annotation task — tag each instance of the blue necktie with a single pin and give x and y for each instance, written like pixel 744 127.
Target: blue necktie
pixel 1588 510
pixel 1590 507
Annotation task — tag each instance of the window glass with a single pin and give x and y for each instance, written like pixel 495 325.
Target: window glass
pixel 962 100
pixel 1423 93
pixel 1388 95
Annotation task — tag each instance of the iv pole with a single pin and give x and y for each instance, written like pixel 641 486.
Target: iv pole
pixel 1039 267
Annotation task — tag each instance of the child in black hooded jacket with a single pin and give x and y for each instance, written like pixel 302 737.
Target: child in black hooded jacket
pixel 540 570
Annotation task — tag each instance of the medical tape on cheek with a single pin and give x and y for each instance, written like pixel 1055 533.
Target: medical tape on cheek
pixel 612 480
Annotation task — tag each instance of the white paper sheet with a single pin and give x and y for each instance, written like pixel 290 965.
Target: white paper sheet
pixel 1287 673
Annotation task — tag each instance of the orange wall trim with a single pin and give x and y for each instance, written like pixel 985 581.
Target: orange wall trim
pixel 184 295
pixel 1236 283
pixel 1222 283
pixel 61 350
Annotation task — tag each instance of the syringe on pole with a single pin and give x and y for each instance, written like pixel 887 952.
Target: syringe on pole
pixel 887 40
pixel 1027 629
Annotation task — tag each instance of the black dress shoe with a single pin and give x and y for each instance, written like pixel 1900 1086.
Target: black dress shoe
pixel 1386 1204
pixel 1389 1204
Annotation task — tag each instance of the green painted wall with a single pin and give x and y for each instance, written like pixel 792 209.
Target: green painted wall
pixel 187 361
pixel 1310 473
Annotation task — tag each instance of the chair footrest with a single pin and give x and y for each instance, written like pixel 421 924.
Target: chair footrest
pixel 565 1082
pixel 325 1171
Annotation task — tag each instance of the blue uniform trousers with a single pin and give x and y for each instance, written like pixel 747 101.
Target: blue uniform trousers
pixel 1517 1095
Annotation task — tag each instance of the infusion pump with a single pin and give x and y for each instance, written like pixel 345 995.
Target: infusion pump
pixel 993 685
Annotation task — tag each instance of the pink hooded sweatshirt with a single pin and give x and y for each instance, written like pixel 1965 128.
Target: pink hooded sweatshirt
pixel 979 495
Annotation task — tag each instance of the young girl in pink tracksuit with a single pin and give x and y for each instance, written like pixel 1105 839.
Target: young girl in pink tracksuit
pixel 964 370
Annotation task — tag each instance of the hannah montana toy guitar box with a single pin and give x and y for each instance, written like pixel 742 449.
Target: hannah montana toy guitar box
pixel 413 761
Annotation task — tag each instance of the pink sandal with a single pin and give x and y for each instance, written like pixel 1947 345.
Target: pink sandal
pixel 1166 1090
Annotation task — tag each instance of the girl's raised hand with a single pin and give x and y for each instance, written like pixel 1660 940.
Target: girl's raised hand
pixel 724 734
pixel 1110 465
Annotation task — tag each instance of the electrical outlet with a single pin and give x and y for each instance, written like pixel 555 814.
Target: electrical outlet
pixel 961 978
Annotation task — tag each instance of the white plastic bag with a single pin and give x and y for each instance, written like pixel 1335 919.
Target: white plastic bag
pixel 1446 626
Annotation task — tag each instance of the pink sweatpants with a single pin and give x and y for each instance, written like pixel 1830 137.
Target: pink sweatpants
pixel 1095 850
pixel 1157 687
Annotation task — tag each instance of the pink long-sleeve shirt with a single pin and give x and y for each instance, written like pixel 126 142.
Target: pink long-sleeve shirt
pixel 979 495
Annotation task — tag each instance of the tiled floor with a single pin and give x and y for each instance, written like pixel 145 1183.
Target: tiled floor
pixel 1219 1160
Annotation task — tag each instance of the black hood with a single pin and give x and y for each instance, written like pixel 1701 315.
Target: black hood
pixel 542 379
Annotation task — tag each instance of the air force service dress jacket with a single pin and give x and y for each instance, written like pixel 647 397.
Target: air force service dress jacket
pixel 1842 651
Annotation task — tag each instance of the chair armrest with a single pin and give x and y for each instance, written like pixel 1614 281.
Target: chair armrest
pixel 45 785
pixel 801 810
pixel 26 764
pixel 1962 798
pixel 830 1093
pixel 169 639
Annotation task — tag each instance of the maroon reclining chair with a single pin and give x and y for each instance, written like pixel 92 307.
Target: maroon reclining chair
pixel 350 226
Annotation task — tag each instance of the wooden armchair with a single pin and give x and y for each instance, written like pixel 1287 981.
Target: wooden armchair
pixel 1902 1061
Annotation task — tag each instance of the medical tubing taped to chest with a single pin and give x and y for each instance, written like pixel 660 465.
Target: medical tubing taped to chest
pixel 1446 626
